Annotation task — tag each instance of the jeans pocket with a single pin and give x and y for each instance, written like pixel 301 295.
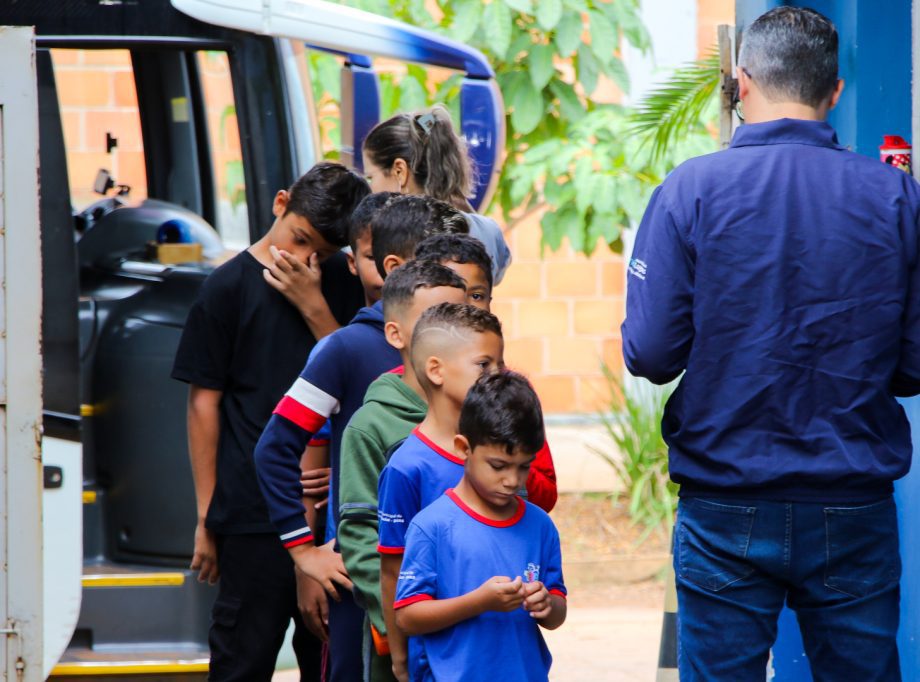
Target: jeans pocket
pixel 712 542
pixel 862 548
pixel 225 612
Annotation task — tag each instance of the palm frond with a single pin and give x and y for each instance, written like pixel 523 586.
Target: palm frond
pixel 673 108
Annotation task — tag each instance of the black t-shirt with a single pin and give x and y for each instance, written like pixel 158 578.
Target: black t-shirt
pixel 244 338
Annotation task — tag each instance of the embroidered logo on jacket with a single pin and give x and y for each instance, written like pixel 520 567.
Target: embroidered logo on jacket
pixel 637 268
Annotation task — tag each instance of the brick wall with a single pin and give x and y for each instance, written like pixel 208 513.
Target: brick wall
pixel 96 94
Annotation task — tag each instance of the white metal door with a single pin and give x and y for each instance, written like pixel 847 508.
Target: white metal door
pixel 20 363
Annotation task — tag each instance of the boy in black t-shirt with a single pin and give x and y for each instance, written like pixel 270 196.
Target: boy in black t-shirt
pixel 247 334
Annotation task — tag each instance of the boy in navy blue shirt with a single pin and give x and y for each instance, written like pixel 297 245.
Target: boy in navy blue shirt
pixel 333 385
pixel 483 568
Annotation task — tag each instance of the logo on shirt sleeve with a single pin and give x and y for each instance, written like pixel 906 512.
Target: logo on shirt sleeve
pixel 386 517
pixel 407 576
pixel 637 268
pixel 532 573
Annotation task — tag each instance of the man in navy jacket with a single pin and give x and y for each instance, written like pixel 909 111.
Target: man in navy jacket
pixel 781 277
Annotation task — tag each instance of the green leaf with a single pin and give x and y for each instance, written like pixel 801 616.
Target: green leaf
pixel 583 180
pixel 328 73
pixel 520 43
pixel 540 64
pixel 667 112
pixel 412 95
pixel 465 21
pixel 568 33
pixel 527 108
pixel 587 69
pixel 523 6
pixel 617 72
pixel 605 193
pixel 604 40
pixel 569 105
pixel 549 12
pixel 497 21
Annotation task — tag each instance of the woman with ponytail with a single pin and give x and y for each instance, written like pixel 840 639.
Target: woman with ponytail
pixel 421 154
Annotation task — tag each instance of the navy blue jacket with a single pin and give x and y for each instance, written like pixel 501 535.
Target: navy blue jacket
pixel 331 386
pixel 781 277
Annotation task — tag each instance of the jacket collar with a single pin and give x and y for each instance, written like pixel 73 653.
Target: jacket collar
pixel 786 131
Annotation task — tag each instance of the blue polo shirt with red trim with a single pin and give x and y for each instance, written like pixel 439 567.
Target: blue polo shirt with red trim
pixel 451 551
pixel 417 474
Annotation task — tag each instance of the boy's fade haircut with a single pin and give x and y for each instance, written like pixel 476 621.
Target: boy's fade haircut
pixel 326 195
pixel 451 320
pixel 502 409
pixel 360 223
pixel 400 287
pixel 456 248
pixel 406 220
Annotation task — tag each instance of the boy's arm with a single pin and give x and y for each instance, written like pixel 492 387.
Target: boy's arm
pixel 314 479
pixel 203 434
pixel 541 481
pixel 300 285
pixel 421 614
pixel 362 461
pixel 390 565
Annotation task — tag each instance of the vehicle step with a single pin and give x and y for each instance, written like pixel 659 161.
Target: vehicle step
pixel 107 574
pixel 187 662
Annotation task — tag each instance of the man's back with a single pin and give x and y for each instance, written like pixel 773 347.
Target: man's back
pixel 792 259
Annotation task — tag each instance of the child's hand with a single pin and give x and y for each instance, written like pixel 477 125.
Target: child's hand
pixel 501 593
pixel 313 605
pixel 536 600
pixel 323 565
pixel 298 281
pixel 315 482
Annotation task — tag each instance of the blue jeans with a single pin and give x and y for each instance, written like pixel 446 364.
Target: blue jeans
pixel 837 567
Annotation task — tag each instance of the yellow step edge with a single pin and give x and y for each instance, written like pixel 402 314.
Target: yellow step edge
pixel 199 665
pixel 164 579
pixel 87 410
pixel 89 497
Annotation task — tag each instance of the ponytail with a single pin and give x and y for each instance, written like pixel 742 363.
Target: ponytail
pixel 435 154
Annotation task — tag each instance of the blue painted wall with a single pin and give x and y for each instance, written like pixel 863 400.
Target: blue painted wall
pixel 875 61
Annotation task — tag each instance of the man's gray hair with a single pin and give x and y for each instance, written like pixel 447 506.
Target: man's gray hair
pixel 791 53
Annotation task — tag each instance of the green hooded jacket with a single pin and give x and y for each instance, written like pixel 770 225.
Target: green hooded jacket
pixel 390 411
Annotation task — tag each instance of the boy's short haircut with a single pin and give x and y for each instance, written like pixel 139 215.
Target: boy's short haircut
pixel 400 287
pixel 503 409
pixel 450 319
pixel 360 222
pixel 406 220
pixel 458 248
pixel 326 195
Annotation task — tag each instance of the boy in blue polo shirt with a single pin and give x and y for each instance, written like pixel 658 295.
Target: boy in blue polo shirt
pixel 482 567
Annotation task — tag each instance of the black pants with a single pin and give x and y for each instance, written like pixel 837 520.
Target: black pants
pixel 346 638
pixel 256 600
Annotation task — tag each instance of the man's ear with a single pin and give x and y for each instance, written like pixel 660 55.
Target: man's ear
pixel 835 96
pixel 744 82
pixel 391 262
pixel 400 171
pixel 462 446
pixel 434 371
pixel 352 268
pixel 393 333
pixel 279 205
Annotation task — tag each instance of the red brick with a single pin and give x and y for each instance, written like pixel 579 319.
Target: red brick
pixel 543 318
pixel 600 316
pixel 79 88
pixel 522 280
pixel 557 394
pixel 573 355
pixel 525 355
pixel 123 125
pixel 571 279
pixel 613 278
